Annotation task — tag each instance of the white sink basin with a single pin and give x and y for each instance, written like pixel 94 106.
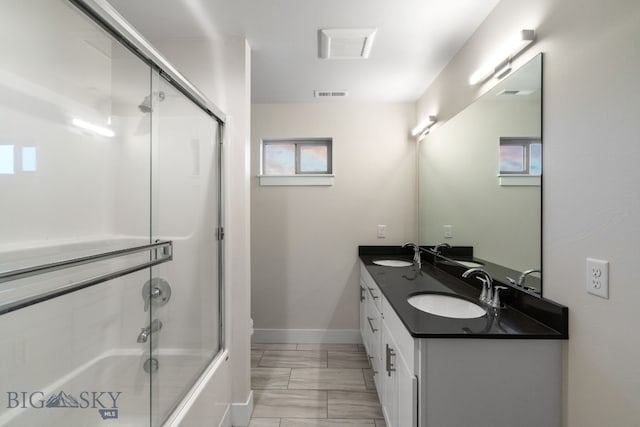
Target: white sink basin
pixel 392 263
pixel 446 306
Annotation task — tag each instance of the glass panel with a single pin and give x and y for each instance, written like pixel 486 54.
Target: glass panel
pixel 29 159
pixel 7 160
pixel 313 158
pixel 185 196
pixel 279 159
pixel 512 158
pixel 535 162
pixel 74 190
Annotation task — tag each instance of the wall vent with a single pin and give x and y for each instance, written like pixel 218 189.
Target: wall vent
pixel 330 93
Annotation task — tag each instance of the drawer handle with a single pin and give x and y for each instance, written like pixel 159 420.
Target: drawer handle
pixel 371 364
pixel 390 353
pixel 370 319
pixel 362 295
pixel 372 295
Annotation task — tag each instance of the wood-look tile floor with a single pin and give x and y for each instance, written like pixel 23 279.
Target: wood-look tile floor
pixel 313 385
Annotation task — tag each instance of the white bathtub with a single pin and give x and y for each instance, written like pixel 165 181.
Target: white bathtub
pixel 114 390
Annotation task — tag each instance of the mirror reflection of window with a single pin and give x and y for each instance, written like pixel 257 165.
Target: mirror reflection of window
pixel 12 157
pixel 522 156
pixel 7 160
pixel 29 160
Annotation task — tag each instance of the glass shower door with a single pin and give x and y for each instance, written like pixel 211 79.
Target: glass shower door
pixel 185 203
pixel 75 180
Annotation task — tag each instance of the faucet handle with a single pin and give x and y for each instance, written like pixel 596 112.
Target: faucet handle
pixel 156 292
pixel 495 301
pixel 487 290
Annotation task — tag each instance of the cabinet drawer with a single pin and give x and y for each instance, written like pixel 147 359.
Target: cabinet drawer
pixel 372 289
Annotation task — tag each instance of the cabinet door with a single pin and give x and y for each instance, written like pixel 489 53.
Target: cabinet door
pixel 407 393
pixel 389 379
pixel 399 397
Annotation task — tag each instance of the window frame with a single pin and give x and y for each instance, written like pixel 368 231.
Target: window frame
pixel 299 178
pixel 526 143
pixel 298 143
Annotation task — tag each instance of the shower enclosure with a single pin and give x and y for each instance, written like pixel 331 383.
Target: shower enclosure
pixel 110 226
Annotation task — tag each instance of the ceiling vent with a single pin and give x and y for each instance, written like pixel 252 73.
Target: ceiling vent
pixel 330 93
pixel 345 43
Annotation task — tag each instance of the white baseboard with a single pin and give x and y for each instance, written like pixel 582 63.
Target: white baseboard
pixel 241 412
pixel 307 336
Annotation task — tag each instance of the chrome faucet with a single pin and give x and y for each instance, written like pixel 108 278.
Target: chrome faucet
pixel 487 282
pixel 416 254
pixel 524 275
pixel 522 279
pixel 436 250
pixel 155 326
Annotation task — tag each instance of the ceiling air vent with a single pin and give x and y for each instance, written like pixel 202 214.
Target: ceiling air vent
pixel 329 93
pixel 345 43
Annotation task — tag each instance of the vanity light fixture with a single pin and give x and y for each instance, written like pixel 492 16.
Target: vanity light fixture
pixel 423 128
pixel 503 67
pixel 100 130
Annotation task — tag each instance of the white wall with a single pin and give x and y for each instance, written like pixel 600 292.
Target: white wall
pixel 221 71
pixel 305 239
pixel 591 206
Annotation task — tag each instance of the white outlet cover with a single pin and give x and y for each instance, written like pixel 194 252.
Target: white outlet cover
pixel 597 277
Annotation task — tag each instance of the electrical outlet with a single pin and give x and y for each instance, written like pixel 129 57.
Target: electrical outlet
pixel 448 231
pixel 598 277
pixel 382 231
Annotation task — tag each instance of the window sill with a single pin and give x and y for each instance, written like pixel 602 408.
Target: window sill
pixel 295 180
pixel 519 180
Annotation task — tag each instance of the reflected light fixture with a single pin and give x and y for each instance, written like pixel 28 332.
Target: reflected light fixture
pixel 423 128
pixel 503 66
pixel 99 130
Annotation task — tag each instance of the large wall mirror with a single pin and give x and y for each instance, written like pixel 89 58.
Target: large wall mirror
pixel 480 178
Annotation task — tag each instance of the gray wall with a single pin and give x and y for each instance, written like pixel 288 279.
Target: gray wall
pixel 591 203
pixel 305 239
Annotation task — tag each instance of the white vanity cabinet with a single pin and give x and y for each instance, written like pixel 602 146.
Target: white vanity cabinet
pixel 456 382
pixel 390 349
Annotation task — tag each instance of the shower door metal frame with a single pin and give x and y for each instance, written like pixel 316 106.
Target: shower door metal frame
pixel 101 12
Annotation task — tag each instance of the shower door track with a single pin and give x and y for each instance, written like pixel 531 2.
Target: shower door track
pixel 163 252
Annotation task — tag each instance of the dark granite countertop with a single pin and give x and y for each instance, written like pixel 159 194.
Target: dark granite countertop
pixel 399 283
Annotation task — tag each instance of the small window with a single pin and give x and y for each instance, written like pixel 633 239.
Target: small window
pixel 296 162
pixel 520 156
pixel 296 157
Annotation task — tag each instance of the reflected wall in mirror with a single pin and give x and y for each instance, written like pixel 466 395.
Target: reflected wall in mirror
pixel 461 191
